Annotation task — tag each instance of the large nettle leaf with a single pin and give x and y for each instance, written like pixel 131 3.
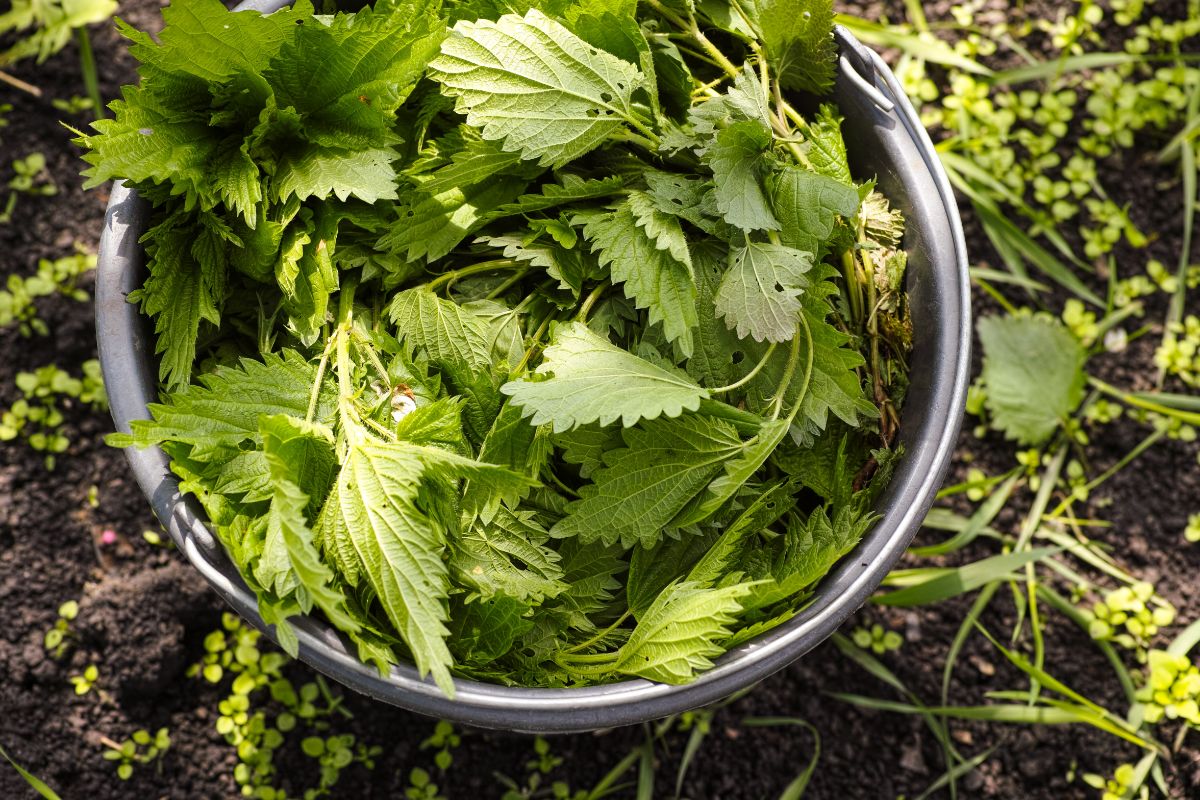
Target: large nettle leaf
pixel 378 517
pixel 759 293
pixel 680 633
pixel 1033 372
pixel 584 378
pixel 647 253
pixel 535 85
pixel 665 464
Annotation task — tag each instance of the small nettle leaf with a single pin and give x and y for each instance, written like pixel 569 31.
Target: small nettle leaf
pixel 825 147
pixel 736 159
pixel 662 228
pixel 808 205
pixel 299 454
pixel 430 226
pixel 223 409
pixel 508 555
pixel 654 279
pixel 798 37
pixel 571 267
pixel 570 189
pixel 584 378
pixel 552 108
pixel 664 465
pixel 440 328
pixel 680 633
pixel 1033 375
pixel 759 293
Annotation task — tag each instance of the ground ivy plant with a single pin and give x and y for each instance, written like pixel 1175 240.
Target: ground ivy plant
pixel 542 371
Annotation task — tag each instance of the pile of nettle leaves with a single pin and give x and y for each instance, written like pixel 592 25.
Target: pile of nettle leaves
pixel 531 346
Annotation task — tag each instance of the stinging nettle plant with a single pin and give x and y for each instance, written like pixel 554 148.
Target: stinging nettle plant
pixel 537 371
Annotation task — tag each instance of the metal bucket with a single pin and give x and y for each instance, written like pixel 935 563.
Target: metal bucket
pixel 885 139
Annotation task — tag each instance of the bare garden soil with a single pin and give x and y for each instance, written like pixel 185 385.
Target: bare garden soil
pixel 143 612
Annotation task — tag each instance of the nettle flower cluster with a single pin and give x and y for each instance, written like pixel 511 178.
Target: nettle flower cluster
pixel 1130 616
pixel 1172 689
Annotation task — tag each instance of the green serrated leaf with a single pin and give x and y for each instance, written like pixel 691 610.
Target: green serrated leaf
pixel 759 295
pixel 665 463
pixel 586 379
pixel 736 161
pixel 680 632
pixel 508 555
pixel 798 38
pixel 570 189
pixel 552 107
pixel 663 229
pixel 808 206
pixel 1033 373
pixel 653 278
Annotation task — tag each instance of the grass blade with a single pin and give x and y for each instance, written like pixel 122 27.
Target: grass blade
pixel 954 774
pixel 963 579
pixel 923 47
pixel 37 784
pixel 976 523
pixel 700 729
pixel 795 789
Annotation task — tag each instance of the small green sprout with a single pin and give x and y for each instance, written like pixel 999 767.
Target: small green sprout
pixel 141 748
pixel 421 786
pixel 57 639
pixel 17 299
pixel 75 104
pixel 1172 688
pixel 31 178
pixel 37 416
pixel 85 682
pixel 1081 322
pixel 1118 787
pixel 1192 531
pixel 1179 353
pixel 335 753
pixel 445 739
pixel 877 639
pixel 1130 616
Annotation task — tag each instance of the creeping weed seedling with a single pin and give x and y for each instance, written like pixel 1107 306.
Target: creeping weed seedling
pixel 1119 786
pixel 421 786
pixel 445 740
pixel 141 748
pixel 86 682
pixel 57 639
pixel 31 178
pixel 1192 531
pixel 877 639
pixel 61 276
pixel 1130 616
pixel 1172 689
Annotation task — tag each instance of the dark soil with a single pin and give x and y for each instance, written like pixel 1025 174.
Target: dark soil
pixel 143 613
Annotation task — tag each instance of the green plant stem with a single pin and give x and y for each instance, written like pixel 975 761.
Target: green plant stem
pixel 762 362
pixel 690 27
pixel 1137 402
pixel 1138 449
pixel 87 66
pixel 790 370
pixel 322 365
pixel 17 83
pixel 448 278
pixel 508 284
pixel 588 643
pixel 590 301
